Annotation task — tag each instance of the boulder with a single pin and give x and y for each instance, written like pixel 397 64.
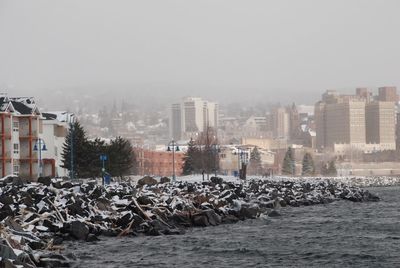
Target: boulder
pixel 216 180
pixel 92 238
pixel 44 180
pixel 181 218
pixel 54 260
pixel 79 230
pixel 165 180
pixel 213 218
pixel 249 211
pixel 147 180
pixel 200 220
pixel 274 213
pixel 144 200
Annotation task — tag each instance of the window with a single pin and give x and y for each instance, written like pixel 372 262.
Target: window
pixel 15 126
pixel 55 151
pixel 16 169
pixel 16 148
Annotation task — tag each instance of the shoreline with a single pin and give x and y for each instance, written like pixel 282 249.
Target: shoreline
pixel 36 218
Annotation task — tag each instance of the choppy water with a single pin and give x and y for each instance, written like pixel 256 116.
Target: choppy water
pixel 341 234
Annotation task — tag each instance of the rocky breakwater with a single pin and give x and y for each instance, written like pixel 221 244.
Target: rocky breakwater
pixel 36 218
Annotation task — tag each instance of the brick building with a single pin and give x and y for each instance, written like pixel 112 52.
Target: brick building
pixel 158 163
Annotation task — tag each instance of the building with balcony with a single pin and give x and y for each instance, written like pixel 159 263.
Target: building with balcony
pixel 20 125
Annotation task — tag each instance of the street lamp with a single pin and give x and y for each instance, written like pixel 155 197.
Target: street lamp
pixel 173 147
pixel 242 158
pixel 215 148
pixel 71 122
pixel 39 147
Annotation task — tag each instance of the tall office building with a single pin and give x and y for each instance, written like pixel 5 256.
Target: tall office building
pixel 380 124
pixel 388 94
pixel 356 121
pixel 192 115
pixel 344 123
pixel 281 123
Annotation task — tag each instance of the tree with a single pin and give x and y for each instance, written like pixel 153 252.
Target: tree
pixel 288 167
pixel 308 167
pixel 332 168
pixel 121 158
pixel 324 169
pixel 76 137
pixel 255 163
pixel 189 164
pixel 96 148
pixel 208 151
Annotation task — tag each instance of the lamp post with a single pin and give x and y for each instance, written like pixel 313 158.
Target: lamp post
pixel 173 147
pixel 242 157
pixel 39 147
pixel 71 122
pixel 215 148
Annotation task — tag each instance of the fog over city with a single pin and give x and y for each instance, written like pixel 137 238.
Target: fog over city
pixel 207 133
pixel 227 51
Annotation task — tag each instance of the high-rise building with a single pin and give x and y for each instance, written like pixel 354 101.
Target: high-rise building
pixel 281 123
pixel 175 122
pixel 344 123
pixel 380 124
pixel 320 124
pixel 192 115
pixel 355 121
pixel 388 94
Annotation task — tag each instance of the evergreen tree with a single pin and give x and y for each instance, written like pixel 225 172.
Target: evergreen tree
pixel 332 168
pixel 96 148
pixel 255 164
pixel 121 157
pixel 324 169
pixel 189 164
pixel 80 147
pixel 288 167
pixel 308 165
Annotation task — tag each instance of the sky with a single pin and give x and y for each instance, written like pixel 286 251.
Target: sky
pixel 223 50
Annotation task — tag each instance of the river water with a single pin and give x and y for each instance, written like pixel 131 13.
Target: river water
pixel 340 234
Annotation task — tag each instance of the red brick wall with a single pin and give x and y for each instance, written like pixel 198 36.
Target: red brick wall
pixel 159 163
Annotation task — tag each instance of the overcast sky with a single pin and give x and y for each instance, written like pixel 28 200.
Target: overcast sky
pixel 224 50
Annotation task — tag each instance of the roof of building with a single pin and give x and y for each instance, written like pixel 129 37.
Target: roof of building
pixel 21 108
pixel 49 116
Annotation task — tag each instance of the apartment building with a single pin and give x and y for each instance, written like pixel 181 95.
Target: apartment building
pixel 54 131
pixel 191 116
pixel 20 141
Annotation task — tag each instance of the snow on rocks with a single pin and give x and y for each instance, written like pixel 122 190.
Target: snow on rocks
pixel 35 218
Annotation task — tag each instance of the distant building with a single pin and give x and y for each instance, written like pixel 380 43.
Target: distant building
pixel 388 94
pixel 355 122
pixel 158 163
pixel 380 124
pixel 281 123
pixel 55 128
pixel 192 115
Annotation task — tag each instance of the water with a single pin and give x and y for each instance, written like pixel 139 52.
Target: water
pixel 341 234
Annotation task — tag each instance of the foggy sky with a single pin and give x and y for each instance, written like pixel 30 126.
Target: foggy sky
pixel 218 49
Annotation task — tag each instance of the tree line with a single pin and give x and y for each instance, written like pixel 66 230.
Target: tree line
pixel 308 165
pixel 86 154
pixel 202 155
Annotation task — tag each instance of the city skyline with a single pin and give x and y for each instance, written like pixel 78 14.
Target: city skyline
pixel 267 50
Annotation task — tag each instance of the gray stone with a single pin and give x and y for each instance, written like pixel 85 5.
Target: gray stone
pixel 147 180
pixel 79 230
